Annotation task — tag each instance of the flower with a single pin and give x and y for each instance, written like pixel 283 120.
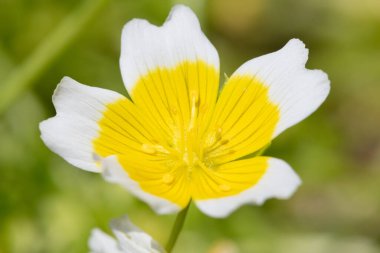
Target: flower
pixel 130 239
pixel 176 139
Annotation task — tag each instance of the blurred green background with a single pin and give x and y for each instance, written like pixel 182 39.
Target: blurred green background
pixel 46 205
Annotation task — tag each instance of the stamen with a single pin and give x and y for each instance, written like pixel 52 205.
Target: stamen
pixel 194 97
pixel 218 134
pixel 202 165
pixel 223 153
pixel 216 141
pixel 194 108
pixel 149 149
pixel 161 149
pixel 168 179
pixel 224 142
pixel 213 138
pixel 224 187
pixel 153 149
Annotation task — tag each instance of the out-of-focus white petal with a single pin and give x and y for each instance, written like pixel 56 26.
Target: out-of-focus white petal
pixel 100 242
pixel 129 239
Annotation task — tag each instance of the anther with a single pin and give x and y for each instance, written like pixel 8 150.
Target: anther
pixel 149 149
pixel 224 187
pixel 160 149
pixel 218 134
pixel 224 142
pixel 167 179
pixel 194 98
pixel 194 108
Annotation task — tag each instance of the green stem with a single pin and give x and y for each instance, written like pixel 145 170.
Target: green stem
pixel 21 78
pixel 177 227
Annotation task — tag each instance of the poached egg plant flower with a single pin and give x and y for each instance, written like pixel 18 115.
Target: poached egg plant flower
pixel 177 139
pixel 129 239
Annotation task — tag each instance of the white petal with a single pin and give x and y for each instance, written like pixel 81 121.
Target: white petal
pixel 71 131
pixel 130 239
pixel 146 47
pixel 133 239
pixel 279 181
pixel 100 242
pixel 113 172
pixel 296 90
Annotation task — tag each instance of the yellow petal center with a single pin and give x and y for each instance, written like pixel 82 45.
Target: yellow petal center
pixel 179 142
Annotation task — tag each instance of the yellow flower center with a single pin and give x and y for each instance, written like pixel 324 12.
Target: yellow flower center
pixel 177 140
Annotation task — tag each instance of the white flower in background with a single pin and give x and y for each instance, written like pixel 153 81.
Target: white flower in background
pixel 177 139
pixel 129 239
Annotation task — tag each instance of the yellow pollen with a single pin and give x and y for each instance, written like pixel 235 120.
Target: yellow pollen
pixel 168 179
pixel 224 187
pixel 149 149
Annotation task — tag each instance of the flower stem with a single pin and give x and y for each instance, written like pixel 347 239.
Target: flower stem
pixel 177 227
pixel 24 76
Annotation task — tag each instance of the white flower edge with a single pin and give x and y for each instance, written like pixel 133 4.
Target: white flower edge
pixel 71 131
pixel 146 47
